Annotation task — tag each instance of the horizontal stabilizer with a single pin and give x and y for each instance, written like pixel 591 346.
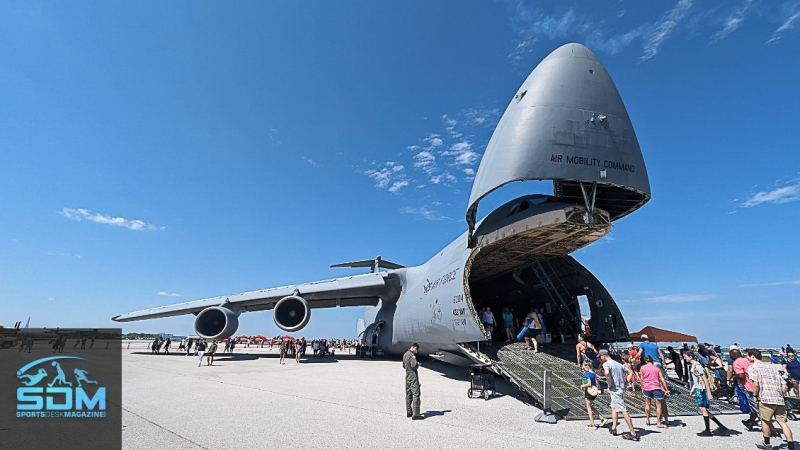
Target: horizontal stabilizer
pixel 375 264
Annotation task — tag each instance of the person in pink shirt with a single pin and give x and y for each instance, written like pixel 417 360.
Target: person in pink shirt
pixel 654 388
pixel 738 373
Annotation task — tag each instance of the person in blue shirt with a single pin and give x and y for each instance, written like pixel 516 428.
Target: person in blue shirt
pixel 650 349
pixel 590 379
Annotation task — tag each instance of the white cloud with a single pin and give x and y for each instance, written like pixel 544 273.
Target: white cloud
pixel 674 298
pixel 450 126
pixel 389 175
pixel 167 294
pixel 84 214
pixel 396 167
pixel 481 116
pixel 784 194
pixel 533 24
pixel 444 178
pixel 665 28
pixel 463 154
pixel 787 25
pixel 273 136
pixel 64 255
pixel 433 141
pixel 425 161
pixel 425 212
pixel 311 161
pixel 397 185
pixel 616 43
pixel 734 20
pixel 774 283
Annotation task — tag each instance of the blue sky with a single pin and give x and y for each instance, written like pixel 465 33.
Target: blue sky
pixel 162 152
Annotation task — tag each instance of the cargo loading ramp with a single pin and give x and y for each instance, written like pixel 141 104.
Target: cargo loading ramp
pixel 525 370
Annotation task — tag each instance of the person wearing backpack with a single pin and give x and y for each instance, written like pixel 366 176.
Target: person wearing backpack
pixel 702 394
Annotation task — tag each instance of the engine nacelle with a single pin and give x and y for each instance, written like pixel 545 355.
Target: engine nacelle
pixel 291 313
pixel 216 322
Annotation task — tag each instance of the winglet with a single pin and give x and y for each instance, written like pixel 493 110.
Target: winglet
pixel 375 264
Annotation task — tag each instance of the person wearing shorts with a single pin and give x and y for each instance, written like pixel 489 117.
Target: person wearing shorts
pixel 590 379
pixel 488 324
pixel 768 390
pixel 654 388
pixel 702 394
pixel 615 377
pixel 534 330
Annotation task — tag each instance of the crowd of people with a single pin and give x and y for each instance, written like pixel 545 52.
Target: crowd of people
pixel 759 387
pixel 286 345
pixel 534 326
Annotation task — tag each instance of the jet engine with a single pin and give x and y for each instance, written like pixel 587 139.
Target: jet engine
pixel 216 322
pixel 291 313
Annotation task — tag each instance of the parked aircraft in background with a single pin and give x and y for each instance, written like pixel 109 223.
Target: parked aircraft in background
pixel 566 123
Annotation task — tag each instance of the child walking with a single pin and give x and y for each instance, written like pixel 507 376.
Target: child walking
pixel 590 381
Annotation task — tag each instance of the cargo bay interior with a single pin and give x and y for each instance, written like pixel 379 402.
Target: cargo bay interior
pixel 522 262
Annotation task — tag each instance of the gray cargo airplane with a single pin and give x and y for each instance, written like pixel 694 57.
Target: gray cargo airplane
pixel 566 123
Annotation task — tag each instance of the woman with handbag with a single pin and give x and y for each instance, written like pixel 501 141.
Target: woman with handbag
pixel 591 390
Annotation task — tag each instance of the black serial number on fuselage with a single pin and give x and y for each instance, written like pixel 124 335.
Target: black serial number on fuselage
pixel 441 281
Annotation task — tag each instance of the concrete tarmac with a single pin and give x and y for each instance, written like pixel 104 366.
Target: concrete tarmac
pixel 249 401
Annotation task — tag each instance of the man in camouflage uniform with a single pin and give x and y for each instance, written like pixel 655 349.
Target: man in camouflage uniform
pixel 412 382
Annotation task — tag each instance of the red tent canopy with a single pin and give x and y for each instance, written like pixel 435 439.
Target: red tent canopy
pixel 659 335
pixel 242 338
pixel 260 338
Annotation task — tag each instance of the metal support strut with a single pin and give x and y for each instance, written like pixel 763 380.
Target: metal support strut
pixel 588 199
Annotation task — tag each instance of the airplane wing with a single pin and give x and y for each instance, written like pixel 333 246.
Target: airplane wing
pixel 357 290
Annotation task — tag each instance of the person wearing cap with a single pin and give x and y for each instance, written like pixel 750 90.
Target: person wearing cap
pixel 733 347
pixel 615 377
pixel 633 352
pixel 651 349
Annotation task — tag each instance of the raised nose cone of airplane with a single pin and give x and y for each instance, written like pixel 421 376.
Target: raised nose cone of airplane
pixel 567 123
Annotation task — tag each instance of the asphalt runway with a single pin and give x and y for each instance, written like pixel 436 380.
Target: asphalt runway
pixel 249 401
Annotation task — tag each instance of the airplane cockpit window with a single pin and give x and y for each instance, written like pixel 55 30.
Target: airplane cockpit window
pixel 527 203
pixel 539 200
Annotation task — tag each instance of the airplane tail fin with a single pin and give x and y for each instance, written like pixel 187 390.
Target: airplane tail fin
pixel 375 264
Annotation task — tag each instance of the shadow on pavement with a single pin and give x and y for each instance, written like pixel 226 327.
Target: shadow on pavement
pixel 427 414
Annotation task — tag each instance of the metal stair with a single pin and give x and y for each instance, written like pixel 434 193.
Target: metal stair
pixel 525 369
